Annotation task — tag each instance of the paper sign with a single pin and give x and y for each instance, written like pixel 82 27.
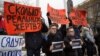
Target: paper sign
pixel 20 18
pixel 8 43
pixel 57 15
pixel 76 43
pixel 11 53
pixel 78 17
pixel 57 46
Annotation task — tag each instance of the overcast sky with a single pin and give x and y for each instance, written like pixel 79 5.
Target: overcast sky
pixel 76 2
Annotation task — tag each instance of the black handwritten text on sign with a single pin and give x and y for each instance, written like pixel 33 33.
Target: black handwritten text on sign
pixel 21 18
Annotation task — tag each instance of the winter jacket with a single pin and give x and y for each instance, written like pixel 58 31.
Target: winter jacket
pixel 51 38
pixel 88 34
pixel 68 48
pixel 33 40
pixel 97 39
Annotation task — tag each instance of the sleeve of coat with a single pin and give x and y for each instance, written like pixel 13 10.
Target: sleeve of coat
pixel 63 30
pixel 44 28
pixel 66 42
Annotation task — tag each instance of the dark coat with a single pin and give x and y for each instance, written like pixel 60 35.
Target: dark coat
pixel 51 38
pixel 33 40
pixel 97 39
pixel 59 36
pixel 68 48
pixel 66 42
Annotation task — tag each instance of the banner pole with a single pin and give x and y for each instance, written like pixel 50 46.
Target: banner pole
pixel 69 8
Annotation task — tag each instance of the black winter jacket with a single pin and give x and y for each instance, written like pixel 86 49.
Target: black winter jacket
pixel 51 38
pixel 33 40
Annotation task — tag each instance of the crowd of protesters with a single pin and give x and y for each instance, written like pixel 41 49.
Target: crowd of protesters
pixel 34 41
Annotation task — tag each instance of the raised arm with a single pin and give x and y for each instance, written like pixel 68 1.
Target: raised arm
pixel 49 21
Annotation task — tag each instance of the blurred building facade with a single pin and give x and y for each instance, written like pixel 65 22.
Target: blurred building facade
pixel 93 11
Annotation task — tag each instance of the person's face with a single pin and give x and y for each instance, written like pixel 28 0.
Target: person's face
pixel 53 29
pixel 71 32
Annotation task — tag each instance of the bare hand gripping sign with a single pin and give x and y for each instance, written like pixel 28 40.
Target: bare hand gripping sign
pixel 21 18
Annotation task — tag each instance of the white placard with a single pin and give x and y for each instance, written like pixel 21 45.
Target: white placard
pixel 57 46
pixel 76 43
pixel 8 43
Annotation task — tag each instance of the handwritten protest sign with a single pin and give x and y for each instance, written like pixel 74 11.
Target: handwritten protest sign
pixel 78 17
pixel 11 53
pixel 21 18
pixel 8 43
pixel 57 15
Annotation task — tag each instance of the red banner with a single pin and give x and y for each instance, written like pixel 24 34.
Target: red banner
pixel 57 15
pixel 21 18
pixel 78 17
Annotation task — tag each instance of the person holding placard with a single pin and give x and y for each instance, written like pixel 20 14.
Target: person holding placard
pixel 54 43
pixel 72 43
pixel 89 41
